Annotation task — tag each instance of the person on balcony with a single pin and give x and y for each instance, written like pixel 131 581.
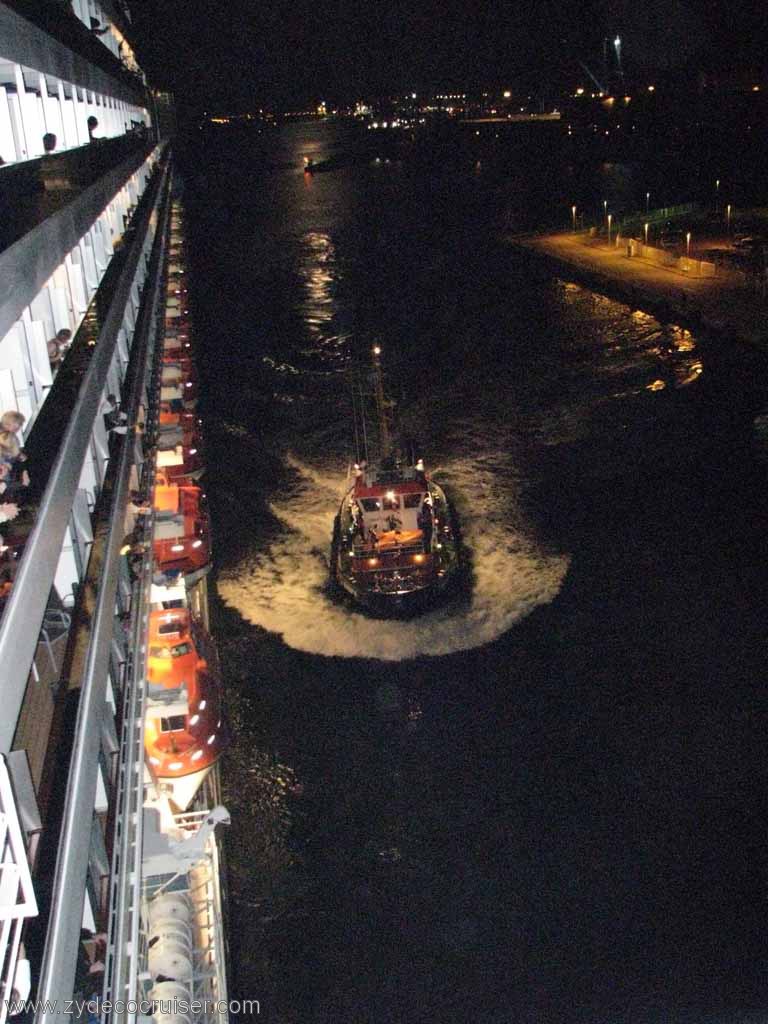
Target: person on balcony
pixel 12 420
pixel 58 346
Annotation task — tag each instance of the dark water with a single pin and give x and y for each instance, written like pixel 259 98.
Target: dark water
pixel 548 805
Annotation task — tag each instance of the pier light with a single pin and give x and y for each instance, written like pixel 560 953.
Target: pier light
pixel 717 184
pixel 728 216
pixel 688 243
pixel 609 228
pixel 647 201
pixel 645 229
pixel 605 206
pixel 573 215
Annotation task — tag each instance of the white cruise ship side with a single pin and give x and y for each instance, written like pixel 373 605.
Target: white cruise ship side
pixel 113 724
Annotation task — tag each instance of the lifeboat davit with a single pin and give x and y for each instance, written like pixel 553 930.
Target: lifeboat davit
pixel 181 540
pixel 184 732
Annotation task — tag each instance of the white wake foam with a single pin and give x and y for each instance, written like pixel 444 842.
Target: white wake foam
pixel 282 588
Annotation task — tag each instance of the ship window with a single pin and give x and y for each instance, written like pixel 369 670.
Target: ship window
pixel 158 652
pixel 412 500
pixel 169 627
pixel 174 723
pixel 371 504
pixel 180 650
pixel 391 503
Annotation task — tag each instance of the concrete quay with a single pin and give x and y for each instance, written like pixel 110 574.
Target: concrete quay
pixel 721 304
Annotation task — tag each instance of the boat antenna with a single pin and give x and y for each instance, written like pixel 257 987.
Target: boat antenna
pixel 385 438
pixel 354 423
pixel 363 422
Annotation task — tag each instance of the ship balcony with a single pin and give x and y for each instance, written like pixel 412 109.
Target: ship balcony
pixel 94 32
pixel 43 187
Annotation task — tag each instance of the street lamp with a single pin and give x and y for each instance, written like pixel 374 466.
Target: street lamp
pixel 573 215
pixel 609 228
pixel 688 244
pixel 645 229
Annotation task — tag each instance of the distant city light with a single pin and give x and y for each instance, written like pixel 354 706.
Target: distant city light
pixel 580 91
pixel 651 88
pixel 507 94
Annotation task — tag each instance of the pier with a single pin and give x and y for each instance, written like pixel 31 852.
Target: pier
pixel 722 303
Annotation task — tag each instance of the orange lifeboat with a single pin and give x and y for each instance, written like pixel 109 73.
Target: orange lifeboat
pixel 184 732
pixel 181 377
pixel 181 537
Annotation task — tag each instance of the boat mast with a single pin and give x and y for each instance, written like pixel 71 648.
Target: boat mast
pixel 382 407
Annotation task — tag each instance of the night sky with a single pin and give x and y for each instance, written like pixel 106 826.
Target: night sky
pixel 238 53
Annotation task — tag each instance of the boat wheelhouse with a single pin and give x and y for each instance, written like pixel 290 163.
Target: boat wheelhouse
pixel 395 539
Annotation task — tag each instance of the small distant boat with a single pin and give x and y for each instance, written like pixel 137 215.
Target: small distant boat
pixel 395 545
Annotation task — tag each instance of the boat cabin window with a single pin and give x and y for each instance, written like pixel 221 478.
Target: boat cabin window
pixel 412 500
pixel 391 503
pixel 180 650
pixel 174 723
pixel 169 627
pixel 371 504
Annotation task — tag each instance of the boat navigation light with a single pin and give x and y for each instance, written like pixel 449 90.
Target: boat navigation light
pixel 194 719
pixel 193 451
pixel 201 706
pixel 196 543
pixel 197 755
pixel 211 738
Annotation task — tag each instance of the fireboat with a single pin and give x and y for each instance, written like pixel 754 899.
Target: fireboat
pixel 395 542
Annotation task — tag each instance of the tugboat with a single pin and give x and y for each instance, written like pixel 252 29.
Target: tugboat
pixel 395 545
